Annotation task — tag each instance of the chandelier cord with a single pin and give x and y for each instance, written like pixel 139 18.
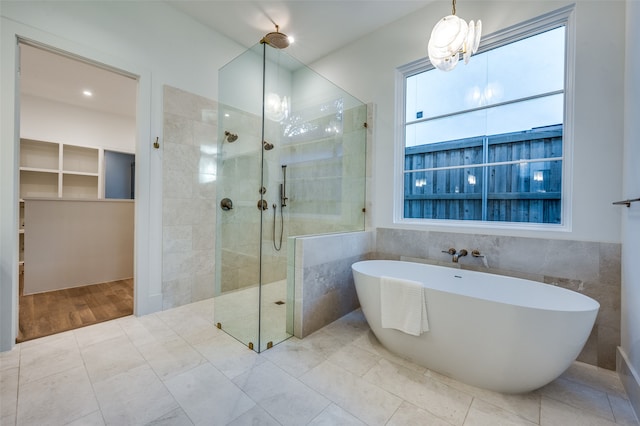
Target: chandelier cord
pixel 453 8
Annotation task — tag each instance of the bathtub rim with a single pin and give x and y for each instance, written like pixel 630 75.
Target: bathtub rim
pixel 587 303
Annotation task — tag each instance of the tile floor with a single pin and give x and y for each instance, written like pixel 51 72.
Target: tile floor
pixel 175 368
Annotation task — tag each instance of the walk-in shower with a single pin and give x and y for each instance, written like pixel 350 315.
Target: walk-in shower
pixel 301 161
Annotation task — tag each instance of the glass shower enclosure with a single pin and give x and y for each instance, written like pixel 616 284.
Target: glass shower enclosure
pixel 291 162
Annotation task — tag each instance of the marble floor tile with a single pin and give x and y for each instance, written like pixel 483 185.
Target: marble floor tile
pixel 96 333
pixel 146 329
pixel 176 417
pixel 582 397
pixel 283 397
pixel 257 416
pixel 351 326
pixel 171 357
pixel 208 397
pixel 10 359
pixel 622 410
pixel 525 405
pixel 8 418
pixel 9 394
pixel 56 399
pixel 556 413
pixel 228 355
pixel 482 413
pixel 334 415
pixel 52 355
pixel 432 395
pixel 356 360
pixel 595 377
pixel 368 402
pixel 370 343
pixel 184 321
pixel 134 397
pixel 111 357
pixel 325 343
pixel 92 419
pixel 409 414
pixel 293 357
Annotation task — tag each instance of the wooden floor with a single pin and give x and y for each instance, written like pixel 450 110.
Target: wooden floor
pixel 48 313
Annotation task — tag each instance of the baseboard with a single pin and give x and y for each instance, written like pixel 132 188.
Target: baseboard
pixel 630 379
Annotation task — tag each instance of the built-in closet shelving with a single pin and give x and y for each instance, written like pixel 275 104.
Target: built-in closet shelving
pixel 57 170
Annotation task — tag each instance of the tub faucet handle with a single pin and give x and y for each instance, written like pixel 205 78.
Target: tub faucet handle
pixel 451 251
pixel 463 252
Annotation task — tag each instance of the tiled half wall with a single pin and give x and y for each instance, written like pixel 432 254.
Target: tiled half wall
pixel 324 289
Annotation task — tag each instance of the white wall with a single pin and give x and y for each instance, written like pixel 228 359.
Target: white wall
pixel 630 326
pixel 148 39
pixel 47 120
pixel 597 154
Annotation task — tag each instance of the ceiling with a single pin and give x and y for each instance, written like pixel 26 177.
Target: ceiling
pixel 319 27
pixel 60 78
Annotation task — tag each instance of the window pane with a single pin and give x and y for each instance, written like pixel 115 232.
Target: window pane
pixel 525 192
pixel 527 145
pixel 444 194
pixel 535 113
pixel 491 77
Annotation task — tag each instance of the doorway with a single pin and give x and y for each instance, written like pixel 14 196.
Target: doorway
pixel 76 237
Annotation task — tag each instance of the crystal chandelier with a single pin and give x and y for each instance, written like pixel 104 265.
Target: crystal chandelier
pixel 451 38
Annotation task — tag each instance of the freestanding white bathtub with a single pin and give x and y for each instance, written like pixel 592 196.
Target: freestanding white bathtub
pixel 499 333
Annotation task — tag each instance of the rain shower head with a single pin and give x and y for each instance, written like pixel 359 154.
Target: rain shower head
pixel 276 39
pixel 230 137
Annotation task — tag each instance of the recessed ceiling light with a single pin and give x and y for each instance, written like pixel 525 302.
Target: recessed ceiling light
pixel 87 93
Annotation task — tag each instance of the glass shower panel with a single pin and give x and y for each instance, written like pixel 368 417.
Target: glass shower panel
pixel 292 163
pixel 236 305
pixel 324 147
pixel 274 306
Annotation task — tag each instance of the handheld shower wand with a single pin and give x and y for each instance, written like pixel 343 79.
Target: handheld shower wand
pixel 283 203
pixel 283 187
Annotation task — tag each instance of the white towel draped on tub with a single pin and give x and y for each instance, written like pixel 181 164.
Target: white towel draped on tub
pixel 403 306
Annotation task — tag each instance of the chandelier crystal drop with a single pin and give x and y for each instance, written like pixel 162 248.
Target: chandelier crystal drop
pixel 451 38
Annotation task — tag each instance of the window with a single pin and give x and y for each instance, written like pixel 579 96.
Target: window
pixel 488 141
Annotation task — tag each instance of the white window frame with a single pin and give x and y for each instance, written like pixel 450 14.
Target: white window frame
pixel 561 17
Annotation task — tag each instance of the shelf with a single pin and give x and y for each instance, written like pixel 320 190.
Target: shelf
pixel 67 172
pixel 80 186
pixel 39 155
pixel 79 159
pixel 38 184
pixel 55 170
pixel 38 170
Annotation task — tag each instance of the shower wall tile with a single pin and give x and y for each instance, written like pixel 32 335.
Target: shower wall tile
pixel 324 289
pixel 177 239
pixel 177 130
pixel 180 158
pixel 194 107
pixel 590 268
pixel 189 197
pixel 177 184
